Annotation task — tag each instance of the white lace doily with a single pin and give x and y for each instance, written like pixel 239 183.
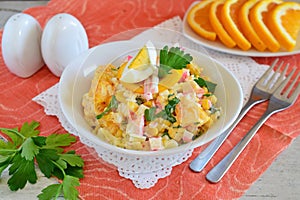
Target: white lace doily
pixel 144 173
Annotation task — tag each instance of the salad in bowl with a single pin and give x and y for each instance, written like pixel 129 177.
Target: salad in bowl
pixel 152 100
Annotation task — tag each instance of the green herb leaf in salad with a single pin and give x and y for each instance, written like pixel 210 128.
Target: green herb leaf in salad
pixel 113 104
pixel 203 83
pixel 173 58
pixel 23 148
pixel 150 114
pixel 167 113
pixel 170 108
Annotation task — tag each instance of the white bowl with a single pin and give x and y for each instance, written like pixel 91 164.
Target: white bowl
pixel 76 81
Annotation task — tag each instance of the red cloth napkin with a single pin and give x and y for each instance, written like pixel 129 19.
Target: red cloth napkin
pixel 102 19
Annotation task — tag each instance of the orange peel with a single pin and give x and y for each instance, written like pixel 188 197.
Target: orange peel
pixel 258 19
pixel 247 28
pixel 215 20
pixel 230 22
pixel 283 25
pixel 198 20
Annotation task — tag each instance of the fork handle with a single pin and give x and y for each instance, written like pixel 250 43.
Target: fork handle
pixel 205 156
pixel 216 174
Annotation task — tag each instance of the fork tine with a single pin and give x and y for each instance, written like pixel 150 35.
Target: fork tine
pixel 274 76
pixel 266 75
pixel 294 96
pixel 282 76
pixel 291 86
pixel 285 82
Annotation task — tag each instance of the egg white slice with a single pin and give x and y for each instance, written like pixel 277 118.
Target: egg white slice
pixel 135 76
pixel 152 53
pixel 145 71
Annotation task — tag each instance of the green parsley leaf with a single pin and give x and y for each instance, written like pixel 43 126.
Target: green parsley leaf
pixel 200 81
pixel 113 104
pixel 29 130
pixel 7 148
pixel 72 159
pixel 170 107
pixel 163 114
pixel 51 192
pixel 173 58
pixel 203 83
pixel 22 170
pixel 3 144
pixel 63 164
pixel 15 137
pixel 75 171
pixel 69 187
pixel 166 114
pixel 150 114
pixel 4 163
pixel 29 149
pixel 59 140
pixel 24 147
pixel 58 172
pixel 164 70
pixel 45 159
pixel 207 94
pixel 39 140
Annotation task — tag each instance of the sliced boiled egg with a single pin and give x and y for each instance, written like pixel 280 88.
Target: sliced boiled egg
pixel 141 66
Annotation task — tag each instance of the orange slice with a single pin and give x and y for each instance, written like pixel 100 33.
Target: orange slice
pixel 229 19
pixel 247 28
pixel 214 18
pixel 284 23
pixel 198 20
pixel 258 19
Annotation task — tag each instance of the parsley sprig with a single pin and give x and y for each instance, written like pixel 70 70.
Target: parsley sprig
pixel 173 58
pixel 25 147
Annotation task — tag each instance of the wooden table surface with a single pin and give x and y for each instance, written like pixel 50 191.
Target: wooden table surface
pixel 280 181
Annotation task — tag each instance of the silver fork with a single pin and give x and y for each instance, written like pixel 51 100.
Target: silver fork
pixel 261 91
pixel 280 100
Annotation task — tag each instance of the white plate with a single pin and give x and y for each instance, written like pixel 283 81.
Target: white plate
pixel 76 81
pixel 218 46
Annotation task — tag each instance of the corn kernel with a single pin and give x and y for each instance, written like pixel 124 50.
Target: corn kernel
pixel 172 132
pixel 148 103
pixel 205 104
pixel 175 124
pixel 213 99
pixel 205 90
pixel 194 69
pixel 132 106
